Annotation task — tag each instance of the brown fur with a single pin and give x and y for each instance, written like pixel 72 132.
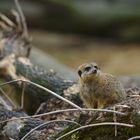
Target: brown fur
pixel 99 90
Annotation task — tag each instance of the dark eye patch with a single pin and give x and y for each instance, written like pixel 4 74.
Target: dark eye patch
pixel 87 68
pixel 96 67
pixel 79 72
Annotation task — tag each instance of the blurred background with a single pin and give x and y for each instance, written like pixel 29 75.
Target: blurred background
pixel 77 31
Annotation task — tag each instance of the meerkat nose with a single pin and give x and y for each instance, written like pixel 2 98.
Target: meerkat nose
pixel 95 71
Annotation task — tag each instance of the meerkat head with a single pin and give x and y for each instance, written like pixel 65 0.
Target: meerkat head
pixel 88 70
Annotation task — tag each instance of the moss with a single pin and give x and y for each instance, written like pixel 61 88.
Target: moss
pixel 107 132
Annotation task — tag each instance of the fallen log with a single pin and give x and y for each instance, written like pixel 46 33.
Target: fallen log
pixel 15 46
pixel 18 126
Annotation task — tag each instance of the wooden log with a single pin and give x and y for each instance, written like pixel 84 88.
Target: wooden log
pixel 17 125
pixel 16 46
pixel 47 62
pixel 46 79
pixel 17 128
pixel 11 129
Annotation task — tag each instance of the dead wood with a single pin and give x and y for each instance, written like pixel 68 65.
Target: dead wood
pixel 17 128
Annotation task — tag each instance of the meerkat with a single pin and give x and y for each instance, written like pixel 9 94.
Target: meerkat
pixel 99 89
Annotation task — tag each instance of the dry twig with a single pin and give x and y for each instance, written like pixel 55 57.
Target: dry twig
pixel 134 138
pixel 22 19
pixel 65 110
pixel 45 89
pixel 91 125
pixel 6 20
pixel 7 97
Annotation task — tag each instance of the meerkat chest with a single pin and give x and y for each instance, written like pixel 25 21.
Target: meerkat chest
pixel 93 89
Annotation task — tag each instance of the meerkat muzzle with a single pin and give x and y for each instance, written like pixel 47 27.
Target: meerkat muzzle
pixel 94 71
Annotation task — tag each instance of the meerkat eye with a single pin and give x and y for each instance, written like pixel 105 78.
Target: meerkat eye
pixel 96 67
pixel 79 72
pixel 87 68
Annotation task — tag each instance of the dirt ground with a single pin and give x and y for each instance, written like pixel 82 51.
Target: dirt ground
pixel 73 50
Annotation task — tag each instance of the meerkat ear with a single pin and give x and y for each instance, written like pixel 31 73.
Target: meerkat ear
pixel 79 72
